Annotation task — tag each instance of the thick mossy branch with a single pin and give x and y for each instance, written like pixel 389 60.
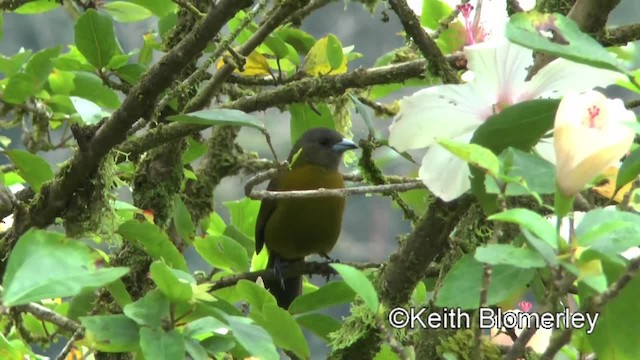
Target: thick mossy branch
pixel 223 158
pixel 426 243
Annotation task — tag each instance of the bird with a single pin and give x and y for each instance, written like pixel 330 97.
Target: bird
pixel 294 228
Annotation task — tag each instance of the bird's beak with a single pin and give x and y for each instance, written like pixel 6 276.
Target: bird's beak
pixel 344 145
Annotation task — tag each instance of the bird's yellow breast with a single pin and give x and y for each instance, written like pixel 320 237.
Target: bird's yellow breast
pixel 300 227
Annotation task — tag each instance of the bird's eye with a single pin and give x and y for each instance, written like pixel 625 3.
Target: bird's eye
pixel 324 141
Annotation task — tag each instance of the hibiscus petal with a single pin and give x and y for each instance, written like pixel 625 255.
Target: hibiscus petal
pixel 563 76
pixel 500 70
pixel 442 111
pixel 443 173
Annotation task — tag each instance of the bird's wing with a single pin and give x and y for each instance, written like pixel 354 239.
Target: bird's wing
pixel 267 207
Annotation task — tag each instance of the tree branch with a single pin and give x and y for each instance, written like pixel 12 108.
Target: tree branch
pixel 425 43
pixel 42 313
pixel 620 35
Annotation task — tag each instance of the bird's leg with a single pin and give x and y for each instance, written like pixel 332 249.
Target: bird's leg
pixel 329 261
pixel 277 270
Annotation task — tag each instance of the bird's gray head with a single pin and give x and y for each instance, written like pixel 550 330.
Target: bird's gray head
pixel 322 147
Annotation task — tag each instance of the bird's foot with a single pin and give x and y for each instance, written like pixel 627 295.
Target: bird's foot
pixel 329 259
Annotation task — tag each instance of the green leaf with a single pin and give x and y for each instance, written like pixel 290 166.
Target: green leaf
pixel 465 277
pixel 333 293
pixel 358 281
pixel 432 12
pixel 166 23
pixel 158 345
pixel 95 38
pixel 531 221
pixel 223 252
pixel 155 242
pixel 320 325
pixel 615 336
pixel 304 118
pixel 11 65
pixel 206 326
pixel 126 12
pixel 40 64
pixel 473 154
pixel 300 40
pixel 182 220
pixel 36 7
pixel 215 224
pixel 175 289
pixel 110 333
pixel 535 173
pixel 61 82
pixel 257 296
pixel 609 231
pixel 237 235
pixel 131 73
pixel 195 350
pixel 89 86
pixel 244 214
pixel 159 8
pixel 629 170
pixel 334 51
pixel 504 254
pixel 34 169
pixel 560 36
pixel 19 88
pixel 119 293
pixel 150 310
pixel 277 46
pixel 364 113
pixel 519 126
pixel 252 337
pixel 284 330
pixel 219 117
pixel 89 112
pixel 71 268
pixel 541 247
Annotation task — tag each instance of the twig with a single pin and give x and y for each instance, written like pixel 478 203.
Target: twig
pixel 69 345
pixel 477 330
pixel 270 174
pixel 615 288
pixel 379 108
pixel 189 7
pixel 425 43
pixel 42 313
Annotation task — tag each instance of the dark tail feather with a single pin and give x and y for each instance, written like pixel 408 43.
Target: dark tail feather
pixel 292 285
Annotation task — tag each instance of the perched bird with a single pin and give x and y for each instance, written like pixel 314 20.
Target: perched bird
pixel 294 228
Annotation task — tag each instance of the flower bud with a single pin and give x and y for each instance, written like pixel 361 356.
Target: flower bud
pixel 589 136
